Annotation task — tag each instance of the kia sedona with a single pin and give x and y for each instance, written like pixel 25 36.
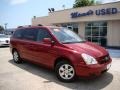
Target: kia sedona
pixel 61 50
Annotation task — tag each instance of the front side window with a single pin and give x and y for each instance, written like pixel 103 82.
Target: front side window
pixel 66 36
pixel 43 33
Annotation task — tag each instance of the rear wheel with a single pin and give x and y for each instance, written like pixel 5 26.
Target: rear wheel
pixel 16 57
pixel 65 71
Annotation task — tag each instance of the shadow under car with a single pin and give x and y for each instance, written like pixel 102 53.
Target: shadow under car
pixel 83 84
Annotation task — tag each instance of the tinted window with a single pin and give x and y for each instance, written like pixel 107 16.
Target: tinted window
pixel 18 34
pixel 30 34
pixel 43 33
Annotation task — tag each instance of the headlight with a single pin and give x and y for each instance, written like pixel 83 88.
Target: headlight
pixel 88 59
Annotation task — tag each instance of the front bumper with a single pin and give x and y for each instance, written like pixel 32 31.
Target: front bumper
pixel 92 70
pixel 4 44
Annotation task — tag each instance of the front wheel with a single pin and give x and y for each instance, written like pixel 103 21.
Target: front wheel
pixel 16 57
pixel 65 71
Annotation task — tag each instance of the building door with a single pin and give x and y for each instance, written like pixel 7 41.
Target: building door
pixel 96 32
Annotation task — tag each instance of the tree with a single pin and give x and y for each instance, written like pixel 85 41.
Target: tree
pixel 82 3
pixel 1 28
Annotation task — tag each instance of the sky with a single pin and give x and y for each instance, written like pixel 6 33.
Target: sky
pixel 20 12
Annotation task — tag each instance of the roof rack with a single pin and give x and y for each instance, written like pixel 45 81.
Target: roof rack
pixel 40 25
pixel 19 26
pixel 29 26
pixel 24 26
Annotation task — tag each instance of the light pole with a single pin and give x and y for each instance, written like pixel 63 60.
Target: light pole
pixel 63 7
pixel 6 26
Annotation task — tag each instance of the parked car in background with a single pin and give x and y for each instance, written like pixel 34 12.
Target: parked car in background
pixel 59 49
pixel 4 40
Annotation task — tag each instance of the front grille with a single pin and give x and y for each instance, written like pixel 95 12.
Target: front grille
pixel 103 59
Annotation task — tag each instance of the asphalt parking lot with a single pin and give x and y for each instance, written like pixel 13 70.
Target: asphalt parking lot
pixel 27 76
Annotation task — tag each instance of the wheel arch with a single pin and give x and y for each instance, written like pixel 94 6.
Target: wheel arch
pixel 13 49
pixel 59 59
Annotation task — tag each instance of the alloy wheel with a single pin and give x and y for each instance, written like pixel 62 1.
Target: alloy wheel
pixel 66 71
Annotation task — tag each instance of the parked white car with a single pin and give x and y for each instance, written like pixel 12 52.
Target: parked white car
pixel 4 40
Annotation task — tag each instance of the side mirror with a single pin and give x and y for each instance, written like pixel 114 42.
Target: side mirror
pixel 48 41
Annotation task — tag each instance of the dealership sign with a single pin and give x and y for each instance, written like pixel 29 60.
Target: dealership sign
pixel 98 12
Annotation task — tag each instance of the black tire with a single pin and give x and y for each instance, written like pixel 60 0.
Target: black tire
pixel 16 57
pixel 61 65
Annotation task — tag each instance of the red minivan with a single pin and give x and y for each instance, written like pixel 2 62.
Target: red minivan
pixel 59 49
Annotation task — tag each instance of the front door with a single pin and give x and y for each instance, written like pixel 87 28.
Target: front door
pixel 29 39
pixel 44 53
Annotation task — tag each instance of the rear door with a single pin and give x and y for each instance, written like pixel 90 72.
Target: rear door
pixel 28 43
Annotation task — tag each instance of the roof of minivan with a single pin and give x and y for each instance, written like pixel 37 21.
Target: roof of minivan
pixel 38 27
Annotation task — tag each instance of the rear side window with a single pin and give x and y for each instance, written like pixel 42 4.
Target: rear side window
pixel 43 33
pixel 30 34
pixel 18 34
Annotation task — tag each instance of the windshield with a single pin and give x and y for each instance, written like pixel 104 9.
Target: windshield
pixel 65 35
pixel 3 36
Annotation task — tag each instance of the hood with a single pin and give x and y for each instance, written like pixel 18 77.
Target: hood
pixel 88 48
pixel 4 39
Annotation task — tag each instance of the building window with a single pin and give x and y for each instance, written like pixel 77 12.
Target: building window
pixel 71 26
pixel 96 32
